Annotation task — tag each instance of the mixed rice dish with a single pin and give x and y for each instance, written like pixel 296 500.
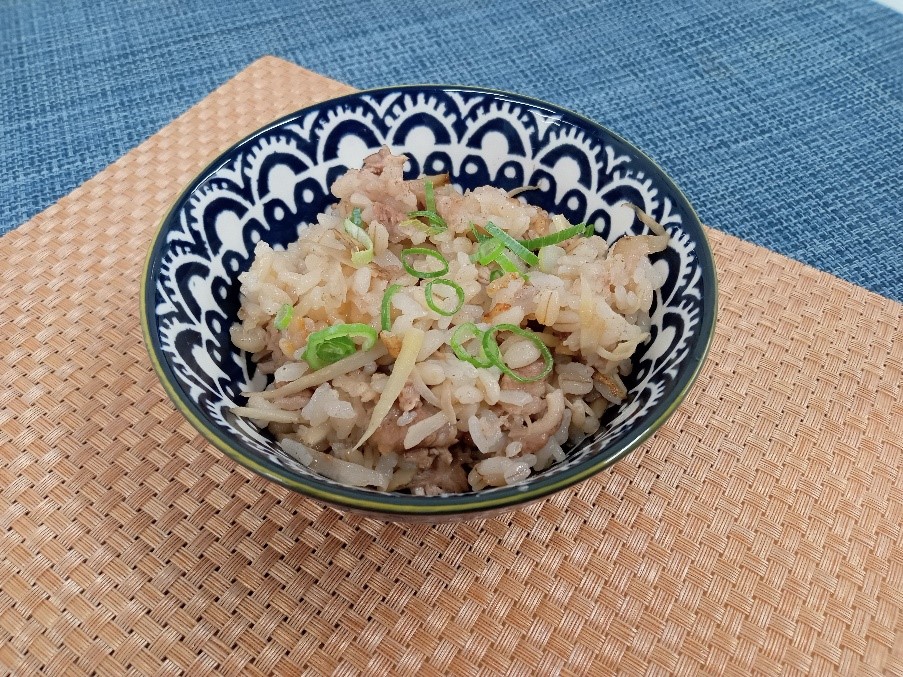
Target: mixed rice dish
pixel 428 341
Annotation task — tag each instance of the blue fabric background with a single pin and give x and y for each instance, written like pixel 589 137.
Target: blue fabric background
pixel 781 120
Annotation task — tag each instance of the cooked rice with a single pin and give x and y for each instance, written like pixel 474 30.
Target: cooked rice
pixel 454 427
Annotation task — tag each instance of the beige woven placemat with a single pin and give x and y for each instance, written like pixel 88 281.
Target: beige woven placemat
pixel 758 532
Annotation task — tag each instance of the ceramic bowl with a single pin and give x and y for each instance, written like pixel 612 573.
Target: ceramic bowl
pixel 274 182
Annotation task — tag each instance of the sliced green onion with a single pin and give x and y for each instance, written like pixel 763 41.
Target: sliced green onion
pixel 423 227
pixel 488 251
pixel 507 264
pixel 460 336
pixel 284 316
pixel 480 237
pixel 423 251
pixel 385 310
pixel 334 350
pixel 356 216
pixel 495 274
pixel 428 292
pixel 335 343
pixel 432 217
pixel 429 197
pixel 516 247
pixel 584 229
pixel 362 257
pixel 494 354
pixel 430 213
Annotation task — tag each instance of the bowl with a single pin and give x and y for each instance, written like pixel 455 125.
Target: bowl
pixel 274 182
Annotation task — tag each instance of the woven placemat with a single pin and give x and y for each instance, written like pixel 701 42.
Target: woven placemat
pixel 758 532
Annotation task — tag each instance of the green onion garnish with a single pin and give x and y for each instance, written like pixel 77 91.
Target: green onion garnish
pixel 427 214
pixel 584 229
pixel 480 237
pixel 460 336
pixel 428 292
pixel 429 197
pixel 385 310
pixel 422 227
pixel 432 217
pixel 284 316
pixel 356 216
pixel 334 350
pixel 430 213
pixel 494 354
pixel 491 248
pixel 507 264
pixel 423 251
pixel 335 343
pixel 488 251
pixel 364 256
pixel 516 247
pixel 495 274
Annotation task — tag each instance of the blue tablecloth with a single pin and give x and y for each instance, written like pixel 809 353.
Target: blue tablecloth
pixel 782 120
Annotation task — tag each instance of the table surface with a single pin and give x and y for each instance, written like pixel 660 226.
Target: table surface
pixel 782 121
pixel 760 531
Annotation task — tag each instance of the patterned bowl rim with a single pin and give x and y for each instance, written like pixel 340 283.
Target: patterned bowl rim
pixel 401 504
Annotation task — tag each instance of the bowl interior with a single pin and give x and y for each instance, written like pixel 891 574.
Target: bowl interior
pixel 271 185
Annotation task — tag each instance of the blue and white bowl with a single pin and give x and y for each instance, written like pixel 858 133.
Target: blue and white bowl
pixel 271 185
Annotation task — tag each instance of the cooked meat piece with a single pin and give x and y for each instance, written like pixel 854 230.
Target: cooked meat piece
pixel 379 178
pixel 443 473
pixel 465 453
pixel 536 389
pixel 389 436
pixel 390 213
pixel 425 457
pixel 539 223
pixel 377 163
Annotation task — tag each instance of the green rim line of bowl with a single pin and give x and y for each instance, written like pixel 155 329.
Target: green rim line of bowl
pixel 455 503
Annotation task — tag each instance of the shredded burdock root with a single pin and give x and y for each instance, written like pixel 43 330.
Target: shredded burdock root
pixel 430 341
